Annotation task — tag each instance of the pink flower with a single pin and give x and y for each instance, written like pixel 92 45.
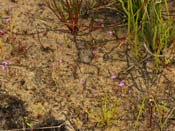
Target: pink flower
pixel 110 32
pixel 114 76
pixel 94 53
pixel 4 65
pixel 8 20
pixel 5 62
pixel 154 114
pixel 121 84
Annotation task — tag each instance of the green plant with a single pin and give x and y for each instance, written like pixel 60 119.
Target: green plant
pixel 141 108
pixel 106 114
pixel 156 29
pixel 132 10
pixel 147 26
pixel 26 121
pixel 159 112
pixel 67 12
pixel 7 36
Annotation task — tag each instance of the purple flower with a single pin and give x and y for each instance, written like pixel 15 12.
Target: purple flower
pixel 8 20
pixel 154 114
pixel 94 53
pixel 110 32
pixel 4 65
pixel 121 84
pixel 5 62
pixel 114 76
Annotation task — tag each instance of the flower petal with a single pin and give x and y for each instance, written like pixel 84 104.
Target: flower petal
pixel 114 76
pixel 121 84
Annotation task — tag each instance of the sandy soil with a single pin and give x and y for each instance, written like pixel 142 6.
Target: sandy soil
pixel 45 83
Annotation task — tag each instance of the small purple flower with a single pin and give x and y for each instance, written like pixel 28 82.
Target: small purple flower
pixel 94 53
pixel 114 76
pixel 4 65
pixel 121 84
pixel 110 32
pixel 5 62
pixel 154 114
pixel 8 20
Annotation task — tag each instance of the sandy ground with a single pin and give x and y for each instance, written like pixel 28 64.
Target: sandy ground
pixel 44 84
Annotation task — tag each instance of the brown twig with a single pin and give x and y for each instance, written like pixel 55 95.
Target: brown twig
pixel 39 128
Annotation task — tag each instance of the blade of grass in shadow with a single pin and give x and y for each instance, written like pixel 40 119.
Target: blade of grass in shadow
pixel 142 106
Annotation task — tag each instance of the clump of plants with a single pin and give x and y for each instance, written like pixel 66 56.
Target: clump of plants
pixel 107 114
pixel 148 28
pixel 67 12
pixel 70 12
pixel 156 114
pixel 7 37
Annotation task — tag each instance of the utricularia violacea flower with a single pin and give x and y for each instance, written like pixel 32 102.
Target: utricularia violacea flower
pixel 4 65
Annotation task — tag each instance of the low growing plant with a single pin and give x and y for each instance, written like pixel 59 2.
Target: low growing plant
pixel 67 12
pixel 106 115
pixel 148 28
pixel 156 114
